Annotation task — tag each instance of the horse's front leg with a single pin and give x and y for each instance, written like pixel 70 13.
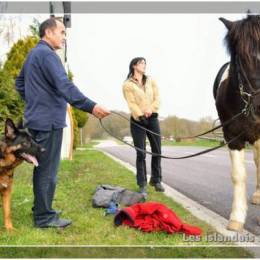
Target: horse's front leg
pixel 239 205
pixel 256 149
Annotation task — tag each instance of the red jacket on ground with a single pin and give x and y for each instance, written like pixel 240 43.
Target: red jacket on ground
pixel 154 216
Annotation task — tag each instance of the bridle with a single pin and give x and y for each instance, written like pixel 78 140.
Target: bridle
pixel 247 96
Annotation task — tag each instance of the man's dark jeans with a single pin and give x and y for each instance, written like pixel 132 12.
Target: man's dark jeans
pixel 45 175
pixel 139 138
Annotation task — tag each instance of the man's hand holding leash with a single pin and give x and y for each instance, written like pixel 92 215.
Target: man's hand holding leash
pixel 100 112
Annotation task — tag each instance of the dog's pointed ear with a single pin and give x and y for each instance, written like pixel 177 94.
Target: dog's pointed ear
pixel 226 22
pixel 10 129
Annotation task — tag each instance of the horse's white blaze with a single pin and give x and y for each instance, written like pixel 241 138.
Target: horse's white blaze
pixel 238 174
pixel 256 149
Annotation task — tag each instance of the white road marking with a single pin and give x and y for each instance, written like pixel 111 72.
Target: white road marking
pixel 209 156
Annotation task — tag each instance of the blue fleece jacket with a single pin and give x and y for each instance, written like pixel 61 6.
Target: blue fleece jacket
pixel 44 85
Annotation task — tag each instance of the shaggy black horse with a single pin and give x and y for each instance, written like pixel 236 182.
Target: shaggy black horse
pixel 237 91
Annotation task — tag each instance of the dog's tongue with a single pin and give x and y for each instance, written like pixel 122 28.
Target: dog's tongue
pixel 31 159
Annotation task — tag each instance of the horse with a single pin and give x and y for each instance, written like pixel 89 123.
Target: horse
pixel 237 98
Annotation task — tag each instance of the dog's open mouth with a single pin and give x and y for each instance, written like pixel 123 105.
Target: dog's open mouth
pixel 30 158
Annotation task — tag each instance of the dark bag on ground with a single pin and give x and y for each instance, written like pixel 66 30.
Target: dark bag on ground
pixel 107 193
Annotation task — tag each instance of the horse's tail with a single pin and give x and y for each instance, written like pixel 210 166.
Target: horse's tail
pixel 218 79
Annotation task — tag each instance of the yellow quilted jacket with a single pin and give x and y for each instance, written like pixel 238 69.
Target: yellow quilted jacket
pixel 141 98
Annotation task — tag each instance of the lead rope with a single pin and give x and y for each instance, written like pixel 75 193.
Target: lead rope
pixel 244 111
pixel 160 155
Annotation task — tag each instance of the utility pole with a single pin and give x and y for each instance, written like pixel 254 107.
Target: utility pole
pixel 68 132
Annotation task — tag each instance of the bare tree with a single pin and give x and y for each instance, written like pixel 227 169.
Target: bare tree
pixel 8 28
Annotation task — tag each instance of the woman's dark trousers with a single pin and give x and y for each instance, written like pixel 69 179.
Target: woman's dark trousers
pixel 139 138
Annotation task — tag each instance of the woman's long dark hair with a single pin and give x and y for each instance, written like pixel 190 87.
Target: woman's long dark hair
pixel 131 68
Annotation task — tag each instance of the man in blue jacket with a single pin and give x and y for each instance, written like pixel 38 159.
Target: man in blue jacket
pixel 46 90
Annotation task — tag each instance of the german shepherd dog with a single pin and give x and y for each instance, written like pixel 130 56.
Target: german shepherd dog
pixel 16 146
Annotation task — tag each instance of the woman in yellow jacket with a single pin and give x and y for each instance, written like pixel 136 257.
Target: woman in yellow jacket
pixel 142 96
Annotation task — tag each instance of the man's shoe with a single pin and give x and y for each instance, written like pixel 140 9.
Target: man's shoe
pixel 57 223
pixel 157 186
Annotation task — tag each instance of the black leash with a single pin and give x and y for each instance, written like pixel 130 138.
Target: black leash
pixel 169 157
pixel 249 108
pixel 185 137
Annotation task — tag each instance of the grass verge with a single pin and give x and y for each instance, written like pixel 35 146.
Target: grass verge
pixel 196 142
pixel 77 182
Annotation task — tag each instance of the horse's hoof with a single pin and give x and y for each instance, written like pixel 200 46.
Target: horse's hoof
pixel 256 198
pixel 234 225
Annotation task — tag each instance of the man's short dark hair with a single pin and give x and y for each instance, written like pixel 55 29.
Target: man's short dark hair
pixel 47 24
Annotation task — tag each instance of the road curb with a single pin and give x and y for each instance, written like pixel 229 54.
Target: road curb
pixel 213 219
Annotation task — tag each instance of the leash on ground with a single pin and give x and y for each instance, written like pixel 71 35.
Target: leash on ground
pixel 170 157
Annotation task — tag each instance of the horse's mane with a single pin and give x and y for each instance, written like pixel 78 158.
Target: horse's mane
pixel 243 39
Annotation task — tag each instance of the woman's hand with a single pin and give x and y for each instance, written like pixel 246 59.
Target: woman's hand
pixel 148 113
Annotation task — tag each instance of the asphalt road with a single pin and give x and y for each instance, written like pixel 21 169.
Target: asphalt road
pixel 205 179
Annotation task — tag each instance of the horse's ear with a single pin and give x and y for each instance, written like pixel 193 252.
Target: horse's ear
pixel 226 22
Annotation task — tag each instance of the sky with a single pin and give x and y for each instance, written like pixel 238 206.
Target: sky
pixel 183 53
